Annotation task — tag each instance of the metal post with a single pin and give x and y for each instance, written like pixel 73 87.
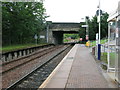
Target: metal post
pixel 36 41
pixel 118 52
pixel 108 56
pixel 36 37
pixel 99 25
pixel 99 45
pixel 87 34
pixel 47 33
pixel 99 51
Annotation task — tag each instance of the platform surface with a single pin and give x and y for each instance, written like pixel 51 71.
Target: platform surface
pixel 78 69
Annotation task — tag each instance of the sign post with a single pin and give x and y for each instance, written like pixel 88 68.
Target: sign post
pixel 36 37
pixel 96 52
pixel 42 36
pixel 99 12
pixel 81 40
pixel 96 38
pixel 85 26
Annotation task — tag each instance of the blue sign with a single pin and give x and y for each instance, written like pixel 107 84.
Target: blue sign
pixel 97 12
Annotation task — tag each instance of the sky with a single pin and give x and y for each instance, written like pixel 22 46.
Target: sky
pixel 75 10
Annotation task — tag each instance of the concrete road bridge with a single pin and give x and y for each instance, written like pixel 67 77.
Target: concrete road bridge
pixel 55 31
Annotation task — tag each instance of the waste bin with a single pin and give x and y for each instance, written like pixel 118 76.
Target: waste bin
pixel 93 50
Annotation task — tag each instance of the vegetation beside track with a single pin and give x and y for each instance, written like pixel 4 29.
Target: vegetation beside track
pixel 22 21
pixel 17 47
pixel 93 43
pixel 104 57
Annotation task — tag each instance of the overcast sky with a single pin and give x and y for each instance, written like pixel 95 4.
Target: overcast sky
pixel 74 10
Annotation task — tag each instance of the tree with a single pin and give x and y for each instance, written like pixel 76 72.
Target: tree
pixel 94 27
pixel 82 31
pixel 21 20
pixel 104 25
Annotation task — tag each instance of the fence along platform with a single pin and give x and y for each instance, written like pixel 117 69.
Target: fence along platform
pixel 78 69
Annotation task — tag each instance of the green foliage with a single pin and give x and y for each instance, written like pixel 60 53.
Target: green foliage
pixel 94 27
pixel 72 36
pixel 112 58
pixel 104 57
pixel 21 21
pixel 16 47
pixel 102 41
pixel 82 31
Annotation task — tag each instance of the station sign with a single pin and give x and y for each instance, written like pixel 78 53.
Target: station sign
pixel 96 38
pixel 98 19
pixel 87 37
pixel 97 12
pixel 81 39
pixel 42 36
pixel 84 25
pixel 35 37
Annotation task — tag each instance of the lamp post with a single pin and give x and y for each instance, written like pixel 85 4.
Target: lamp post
pixel 99 21
pixel 86 26
pixel 36 37
pixel 87 33
pixel 99 45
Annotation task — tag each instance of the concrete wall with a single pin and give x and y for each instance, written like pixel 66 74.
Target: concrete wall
pixel 49 34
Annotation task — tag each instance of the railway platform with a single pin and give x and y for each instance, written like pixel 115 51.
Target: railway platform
pixel 78 69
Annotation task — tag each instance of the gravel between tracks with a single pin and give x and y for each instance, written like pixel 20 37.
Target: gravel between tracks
pixel 16 74
pixel 35 79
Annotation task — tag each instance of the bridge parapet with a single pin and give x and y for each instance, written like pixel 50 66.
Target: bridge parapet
pixel 65 26
pixel 66 29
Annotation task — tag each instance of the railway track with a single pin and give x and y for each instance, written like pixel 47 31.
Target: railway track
pixel 33 58
pixel 6 67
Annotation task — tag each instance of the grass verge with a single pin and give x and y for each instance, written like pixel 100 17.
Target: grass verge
pixel 93 43
pixel 17 47
pixel 112 58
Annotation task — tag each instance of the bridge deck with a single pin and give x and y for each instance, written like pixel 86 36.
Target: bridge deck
pixel 77 70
